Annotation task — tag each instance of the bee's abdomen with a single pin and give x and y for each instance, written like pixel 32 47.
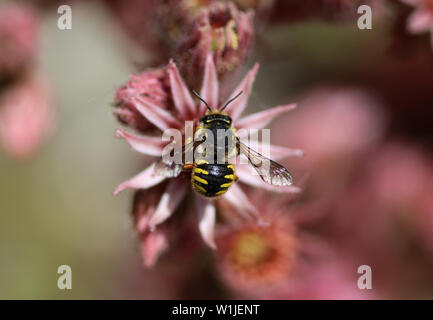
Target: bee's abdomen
pixel 212 180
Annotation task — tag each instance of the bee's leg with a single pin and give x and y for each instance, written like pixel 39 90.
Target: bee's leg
pixel 236 178
pixel 188 166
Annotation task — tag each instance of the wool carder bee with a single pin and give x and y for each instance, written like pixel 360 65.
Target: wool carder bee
pixel 215 143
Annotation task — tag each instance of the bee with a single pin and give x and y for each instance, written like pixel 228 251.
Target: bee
pixel 212 174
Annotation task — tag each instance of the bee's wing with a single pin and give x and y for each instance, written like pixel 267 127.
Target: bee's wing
pixel 270 171
pixel 170 169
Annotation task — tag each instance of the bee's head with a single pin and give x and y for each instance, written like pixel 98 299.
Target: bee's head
pixel 215 118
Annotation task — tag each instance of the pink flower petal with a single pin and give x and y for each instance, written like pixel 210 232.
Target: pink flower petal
pixel 235 108
pixel 420 21
pixel 151 146
pixel 276 152
pixel 159 117
pixel 181 95
pixel 170 199
pixel 209 90
pixel 143 180
pixel 248 176
pixel 206 211
pixel 261 119
pixel 239 200
pixel 142 221
pixel 153 244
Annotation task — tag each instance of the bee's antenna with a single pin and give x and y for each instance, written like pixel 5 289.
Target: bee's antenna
pixel 198 96
pixel 231 100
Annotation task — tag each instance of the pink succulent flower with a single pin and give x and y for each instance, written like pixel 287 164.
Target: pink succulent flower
pixel 152 243
pixel 221 29
pixel 167 235
pixel 341 122
pixel 189 30
pixel 164 22
pixel 336 126
pixel 334 278
pixel 254 260
pixel 151 86
pixel 281 261
pixel 26 116
pixel 391 220
pixel 19 35
pixel 400 163
pixel 396 192
pixel 421 20
pixel 185 108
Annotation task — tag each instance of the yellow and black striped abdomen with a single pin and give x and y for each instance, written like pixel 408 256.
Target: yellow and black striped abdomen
pixel 212 180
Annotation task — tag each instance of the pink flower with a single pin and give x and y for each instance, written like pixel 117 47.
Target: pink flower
pixel 26 116
pixel 392 217
pixel 151 86
pixel 185 108
pixel 189 30
pixel 182 236
pixel 281 261
pixel 254 260
pixel 400 174
pixel 332 278
pixel 221 29
pixel 398 183
pixel 19 35
pixel 421 20
pixel 165 22
pixel 335 127
pixel 341 122
pixel 152 243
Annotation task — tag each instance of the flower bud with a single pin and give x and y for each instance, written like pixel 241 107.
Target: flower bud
pixel 147 87
pixel 19 33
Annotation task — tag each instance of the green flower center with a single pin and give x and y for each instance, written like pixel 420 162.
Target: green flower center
pixel 251 249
